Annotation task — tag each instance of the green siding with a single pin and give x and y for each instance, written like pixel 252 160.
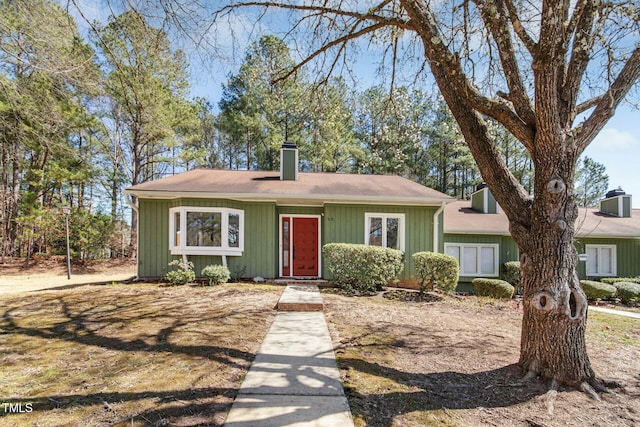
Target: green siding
pixel 492 204
pixel 627 251
pixel 627 255
pixel 626 206
pixel 477 201
pixel 300 210
pixel 153 237
pixel 610 206
pixel 345 224
pixel 260 237
pixel 339 223
pixel 289 165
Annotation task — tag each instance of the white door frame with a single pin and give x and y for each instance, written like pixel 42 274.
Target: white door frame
pixel 280 244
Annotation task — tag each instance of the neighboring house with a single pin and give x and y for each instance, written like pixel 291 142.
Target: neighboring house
pixel 274 224
pixel 477 234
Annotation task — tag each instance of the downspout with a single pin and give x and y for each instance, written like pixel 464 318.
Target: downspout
pixel 436 226
pixel 133 206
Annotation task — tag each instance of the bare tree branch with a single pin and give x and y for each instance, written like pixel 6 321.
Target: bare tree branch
pixel 582 22
pixel 519 29
pixel 494 14
pixel 607 103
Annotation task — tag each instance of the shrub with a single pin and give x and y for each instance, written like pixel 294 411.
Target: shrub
pixel 363 268
pixel 614 280
pixel 512 274
pixel 597 290
pixel 216 274
pixel 628 291
pixel 182 275
pixel 494 288
pixel 434 270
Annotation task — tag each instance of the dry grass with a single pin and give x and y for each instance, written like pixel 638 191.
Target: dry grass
pixel 452 362
pixel 130 354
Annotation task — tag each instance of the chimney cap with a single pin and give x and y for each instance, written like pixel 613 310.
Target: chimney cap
pixel 614 193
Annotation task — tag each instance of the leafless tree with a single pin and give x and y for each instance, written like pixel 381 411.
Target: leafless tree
pixel 551 72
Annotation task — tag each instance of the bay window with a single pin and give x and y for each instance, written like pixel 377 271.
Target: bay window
pixel 206 231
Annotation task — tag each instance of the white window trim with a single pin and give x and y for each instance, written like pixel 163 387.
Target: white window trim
pixel 496 258
pixel 614 261
pixel 225 249
pixel 384 216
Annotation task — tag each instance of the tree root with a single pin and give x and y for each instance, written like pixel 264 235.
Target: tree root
pixel 551 396
pixel 586 388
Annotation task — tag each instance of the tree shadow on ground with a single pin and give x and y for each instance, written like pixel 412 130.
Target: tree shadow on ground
pixel 141 321
pixel 82 327
pixel 433 391
pixel 192 407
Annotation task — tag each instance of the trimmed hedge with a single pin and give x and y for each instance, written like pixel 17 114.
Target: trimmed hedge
pixel 597 290
pixel 614 280
pixel 512 274
pixel 216 274
pixel 363 268
pixel 628 291
pixel 439 271
pixel 494 288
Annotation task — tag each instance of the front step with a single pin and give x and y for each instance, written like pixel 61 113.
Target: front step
pixel 300 298
pixel 312 281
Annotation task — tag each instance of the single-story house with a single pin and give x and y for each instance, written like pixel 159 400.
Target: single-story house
pixel 274 224
pixel 476 232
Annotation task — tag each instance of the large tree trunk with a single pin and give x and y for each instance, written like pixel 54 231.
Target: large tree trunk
pixel 555 307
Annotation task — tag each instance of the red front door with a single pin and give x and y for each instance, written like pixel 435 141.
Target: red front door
pixel 303 246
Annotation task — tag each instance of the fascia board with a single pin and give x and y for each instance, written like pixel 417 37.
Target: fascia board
pixel 323 198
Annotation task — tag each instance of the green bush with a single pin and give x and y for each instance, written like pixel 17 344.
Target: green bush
pixel 494 288
pixel 628 291
pixel 614 280
pixel 362 268
pixel 436 271
pixel 182 275
pixel 512 274
pixel 597 290
pixel 216 274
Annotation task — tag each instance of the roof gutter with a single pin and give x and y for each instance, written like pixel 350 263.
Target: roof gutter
pixel 282 198
pixel 130 202
pixel 436 226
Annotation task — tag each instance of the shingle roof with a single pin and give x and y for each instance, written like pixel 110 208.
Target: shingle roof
pixel 459 218
pixel 311 188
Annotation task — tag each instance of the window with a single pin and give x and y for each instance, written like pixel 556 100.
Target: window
pixel 601 260
pixel 206 231
pixel 386 230
pixel 475 259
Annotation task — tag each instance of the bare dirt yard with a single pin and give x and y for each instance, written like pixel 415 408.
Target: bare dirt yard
pixel 127 354
pixel 51 273
pixel 150 355
pixel 452 362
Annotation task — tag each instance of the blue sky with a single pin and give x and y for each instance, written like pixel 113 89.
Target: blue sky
pixel 617 146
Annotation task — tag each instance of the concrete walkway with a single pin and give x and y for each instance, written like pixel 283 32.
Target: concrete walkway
pixel 294 380
pixel 616 312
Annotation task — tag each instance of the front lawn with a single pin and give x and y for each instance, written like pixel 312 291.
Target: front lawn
pixel 452 361
pixel 129 354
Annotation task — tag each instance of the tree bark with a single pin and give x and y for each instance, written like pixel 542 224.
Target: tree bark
pixel 555 307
